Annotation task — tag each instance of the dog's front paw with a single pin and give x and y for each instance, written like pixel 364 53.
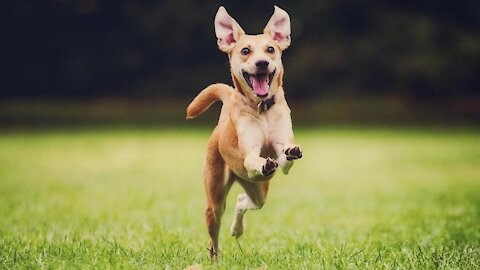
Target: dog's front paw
pixel 269 167
pixel 293 152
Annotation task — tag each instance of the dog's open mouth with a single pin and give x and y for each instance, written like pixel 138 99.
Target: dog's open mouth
pixel 259 82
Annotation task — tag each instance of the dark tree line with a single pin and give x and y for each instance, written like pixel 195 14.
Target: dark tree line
pixel 63 48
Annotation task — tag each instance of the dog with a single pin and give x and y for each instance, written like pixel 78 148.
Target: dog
pixel 254 134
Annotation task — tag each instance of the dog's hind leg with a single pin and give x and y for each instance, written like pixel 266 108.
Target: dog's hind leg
pixel 253 199
pixel 218 180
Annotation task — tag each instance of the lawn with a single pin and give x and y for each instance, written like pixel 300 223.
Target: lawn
pixel 370 198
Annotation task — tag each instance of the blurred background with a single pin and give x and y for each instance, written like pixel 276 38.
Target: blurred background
pixel 87 62
pixel 100 169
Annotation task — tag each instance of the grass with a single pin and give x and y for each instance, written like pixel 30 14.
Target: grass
pixel 360 198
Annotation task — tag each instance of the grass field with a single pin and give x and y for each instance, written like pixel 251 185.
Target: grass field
pixel 374 198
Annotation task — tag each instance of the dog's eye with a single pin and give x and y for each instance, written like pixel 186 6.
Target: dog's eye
pixel 270 49
pixel 245 51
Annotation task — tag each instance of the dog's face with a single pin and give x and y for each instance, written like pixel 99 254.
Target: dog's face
pixel 255 60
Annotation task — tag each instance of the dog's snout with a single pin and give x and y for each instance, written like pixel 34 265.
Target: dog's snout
pixel 262 64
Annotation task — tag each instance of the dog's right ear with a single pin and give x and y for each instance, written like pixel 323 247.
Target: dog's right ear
pixel 227 30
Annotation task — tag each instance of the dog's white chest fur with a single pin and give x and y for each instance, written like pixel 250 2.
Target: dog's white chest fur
pixel 262 125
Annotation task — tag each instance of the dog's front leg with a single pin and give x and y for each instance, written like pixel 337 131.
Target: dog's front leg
pixel 258 166
pixel 282 139
pixel 286 154
pixel 250 141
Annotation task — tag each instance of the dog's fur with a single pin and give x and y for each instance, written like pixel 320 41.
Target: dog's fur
pixel 248 144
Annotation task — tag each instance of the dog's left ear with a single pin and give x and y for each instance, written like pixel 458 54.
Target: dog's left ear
pixel 278 27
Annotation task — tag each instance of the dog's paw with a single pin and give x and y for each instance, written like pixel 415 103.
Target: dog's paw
pixel 237 229
pixel 269 167
pixel 293 152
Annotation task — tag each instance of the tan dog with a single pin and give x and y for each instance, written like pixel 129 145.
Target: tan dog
pixel 254 133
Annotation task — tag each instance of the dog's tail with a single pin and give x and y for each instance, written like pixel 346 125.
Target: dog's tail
pixel 207 97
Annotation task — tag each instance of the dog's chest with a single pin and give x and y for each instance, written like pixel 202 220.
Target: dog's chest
pixel 255 123
pixel 263 125
pixel 267 125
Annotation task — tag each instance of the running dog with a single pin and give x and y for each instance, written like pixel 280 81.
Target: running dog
pixel 254 133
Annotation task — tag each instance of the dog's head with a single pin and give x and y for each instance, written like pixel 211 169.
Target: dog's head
pixel 255 60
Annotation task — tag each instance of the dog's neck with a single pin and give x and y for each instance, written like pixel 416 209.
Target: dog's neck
pixel 260 106
pixel 266 104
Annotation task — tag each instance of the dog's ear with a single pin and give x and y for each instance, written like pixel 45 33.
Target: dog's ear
pixel 278 27
pixel 227 30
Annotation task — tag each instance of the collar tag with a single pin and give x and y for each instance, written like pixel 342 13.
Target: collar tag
pixel 266 104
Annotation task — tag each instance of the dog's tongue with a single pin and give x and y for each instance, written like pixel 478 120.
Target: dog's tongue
pixel 260 84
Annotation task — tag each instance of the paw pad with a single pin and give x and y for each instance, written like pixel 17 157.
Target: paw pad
pixel 269 167
pixel 293 153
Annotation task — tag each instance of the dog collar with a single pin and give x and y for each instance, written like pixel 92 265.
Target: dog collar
pixel 266 104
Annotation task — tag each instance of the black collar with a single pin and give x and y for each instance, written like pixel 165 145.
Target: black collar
pixel 266 104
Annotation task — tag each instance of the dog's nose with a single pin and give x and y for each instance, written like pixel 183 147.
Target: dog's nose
pixel 262 64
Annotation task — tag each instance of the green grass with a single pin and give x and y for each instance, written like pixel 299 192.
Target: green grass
pixel 360 198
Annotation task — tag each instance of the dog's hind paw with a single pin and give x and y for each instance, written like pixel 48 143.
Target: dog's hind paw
pixel 237 230
pixel 293 153
pixel 269 167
